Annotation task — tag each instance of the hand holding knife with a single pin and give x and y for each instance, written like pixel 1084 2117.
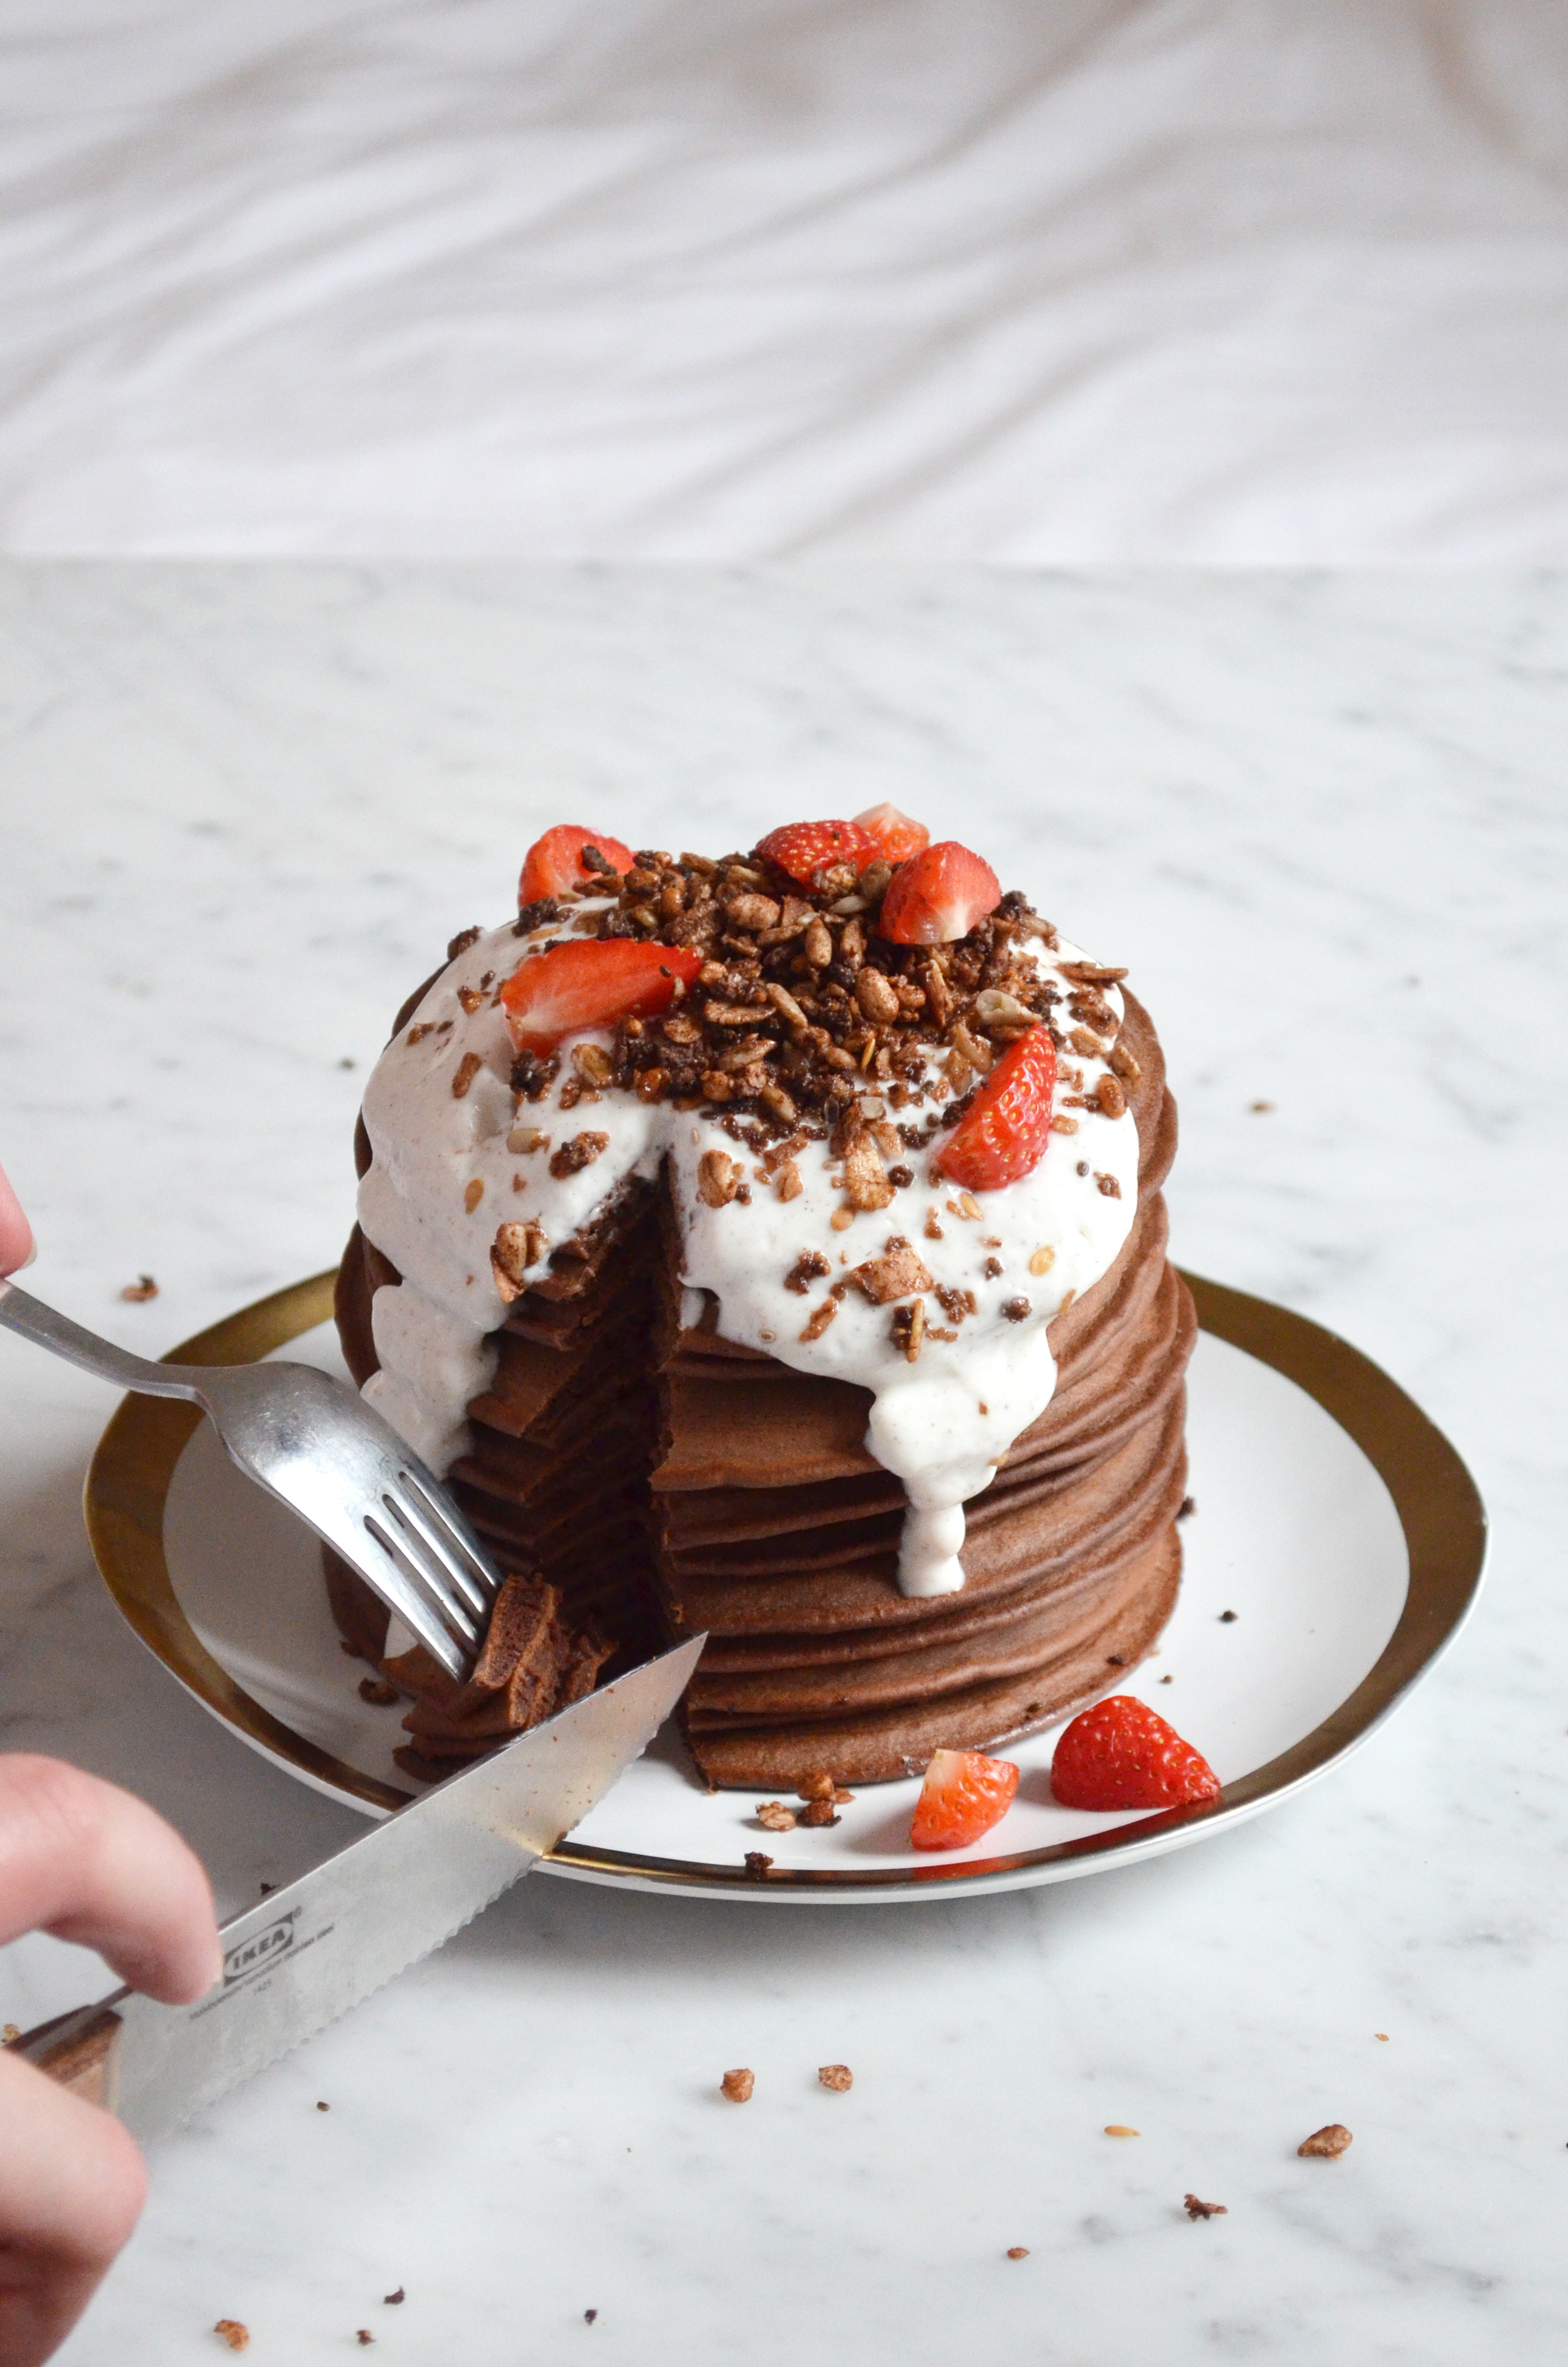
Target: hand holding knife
pixel 307 1953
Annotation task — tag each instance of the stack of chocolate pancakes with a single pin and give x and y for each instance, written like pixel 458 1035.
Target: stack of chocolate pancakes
pixel 660 1480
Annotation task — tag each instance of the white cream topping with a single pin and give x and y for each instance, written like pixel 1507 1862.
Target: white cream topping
pixel 942 1423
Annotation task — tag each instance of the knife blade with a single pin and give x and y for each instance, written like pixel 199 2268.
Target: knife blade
pixel 314 1948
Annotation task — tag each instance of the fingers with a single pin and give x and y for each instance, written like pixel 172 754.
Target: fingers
pixel 72 2187
pixel 15 1233
pixel 87 1861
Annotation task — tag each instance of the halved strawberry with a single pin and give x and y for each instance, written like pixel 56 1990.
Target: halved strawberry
pixel 1122 1754
pixel 806 848
pixel 1004 1131
pixel 965 1794
pixel 897 836
pixel 591 982
pixel 938 895
pixel 555 861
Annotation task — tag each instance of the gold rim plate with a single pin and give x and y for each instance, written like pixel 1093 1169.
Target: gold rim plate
pixel 1439 1507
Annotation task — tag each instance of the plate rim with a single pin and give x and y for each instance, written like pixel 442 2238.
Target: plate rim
pixel 1438 1503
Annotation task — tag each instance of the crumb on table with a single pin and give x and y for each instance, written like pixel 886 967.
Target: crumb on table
pixel 737 2086
pixel 1326 2143
pixel 837 2075
pixel 235 2335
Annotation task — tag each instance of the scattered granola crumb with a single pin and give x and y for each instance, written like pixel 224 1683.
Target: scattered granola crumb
pixel 1120 2129
pixel 1167 1680
pixel 1186 1507
pixel 1016 1310
pixel 581 1152
pixel 141 1290
pixel 1260 1109
pixel 324 2108
pixel 840 1797
pixel 757 1864
pixel 1383 2035
pixel 817 1785
pixel 473 1195
pixel 364 2336
pixel 1326 2143
pixel 1196 2210
pixel 737 2086
pixel 837 2075
pixel 376 1689
pixel 817 1813
pixel 235 2335
pixel 9 2035
pixel 466 1071
pixel 1044 1258
pixel 1227 1617
pixel 590 2314
pixel 1109 1186
pixel 392 2299
pixel 1018 2251
pixel 774 1818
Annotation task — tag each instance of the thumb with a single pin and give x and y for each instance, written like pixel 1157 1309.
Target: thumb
pixel 15 1233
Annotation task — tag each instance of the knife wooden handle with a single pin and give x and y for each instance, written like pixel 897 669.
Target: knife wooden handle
pixel 78 2051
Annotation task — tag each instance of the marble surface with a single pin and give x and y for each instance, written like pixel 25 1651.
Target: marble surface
pixel 1101 281
pixel 1323 820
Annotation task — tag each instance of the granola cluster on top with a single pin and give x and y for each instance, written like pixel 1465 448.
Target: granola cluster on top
pixel 801 1004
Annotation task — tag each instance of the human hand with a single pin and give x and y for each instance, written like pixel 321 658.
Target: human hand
pixel 15 1233
pixel 88 1862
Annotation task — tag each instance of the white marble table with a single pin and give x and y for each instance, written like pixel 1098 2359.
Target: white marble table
pixel 1324 821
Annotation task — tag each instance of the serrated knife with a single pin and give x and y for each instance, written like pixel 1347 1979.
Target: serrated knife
pixel 314 1948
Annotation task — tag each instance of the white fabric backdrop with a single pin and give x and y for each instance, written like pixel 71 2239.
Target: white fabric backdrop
pixel 1044 280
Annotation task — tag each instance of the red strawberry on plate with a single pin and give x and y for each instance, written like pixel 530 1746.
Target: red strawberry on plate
pixel 555 862
pixel 1004 1131
pixel 897 836
pixel 938 895
pixel 965 1794
pixel 1122 1754
pixel 804 849
pixel 591 982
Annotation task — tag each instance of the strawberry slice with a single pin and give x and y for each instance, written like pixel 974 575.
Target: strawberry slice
pixel 897 836
pixel 591 982
pixel 1122 1754
pixel 1004 1131
pixel 938 895
pixel 804 849
pixel 965 1794
pixel 555 862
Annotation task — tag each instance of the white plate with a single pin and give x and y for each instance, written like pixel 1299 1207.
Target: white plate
pixel 1342 1596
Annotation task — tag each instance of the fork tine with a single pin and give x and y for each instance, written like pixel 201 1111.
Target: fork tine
pixel 439 1611
pixel 412 1607
pixel 425 1552
pixel 445 1530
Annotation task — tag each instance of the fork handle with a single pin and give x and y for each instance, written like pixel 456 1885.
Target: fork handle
pixel 19 1311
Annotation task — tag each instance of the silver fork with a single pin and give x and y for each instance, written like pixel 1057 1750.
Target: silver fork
pixel 320 1449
